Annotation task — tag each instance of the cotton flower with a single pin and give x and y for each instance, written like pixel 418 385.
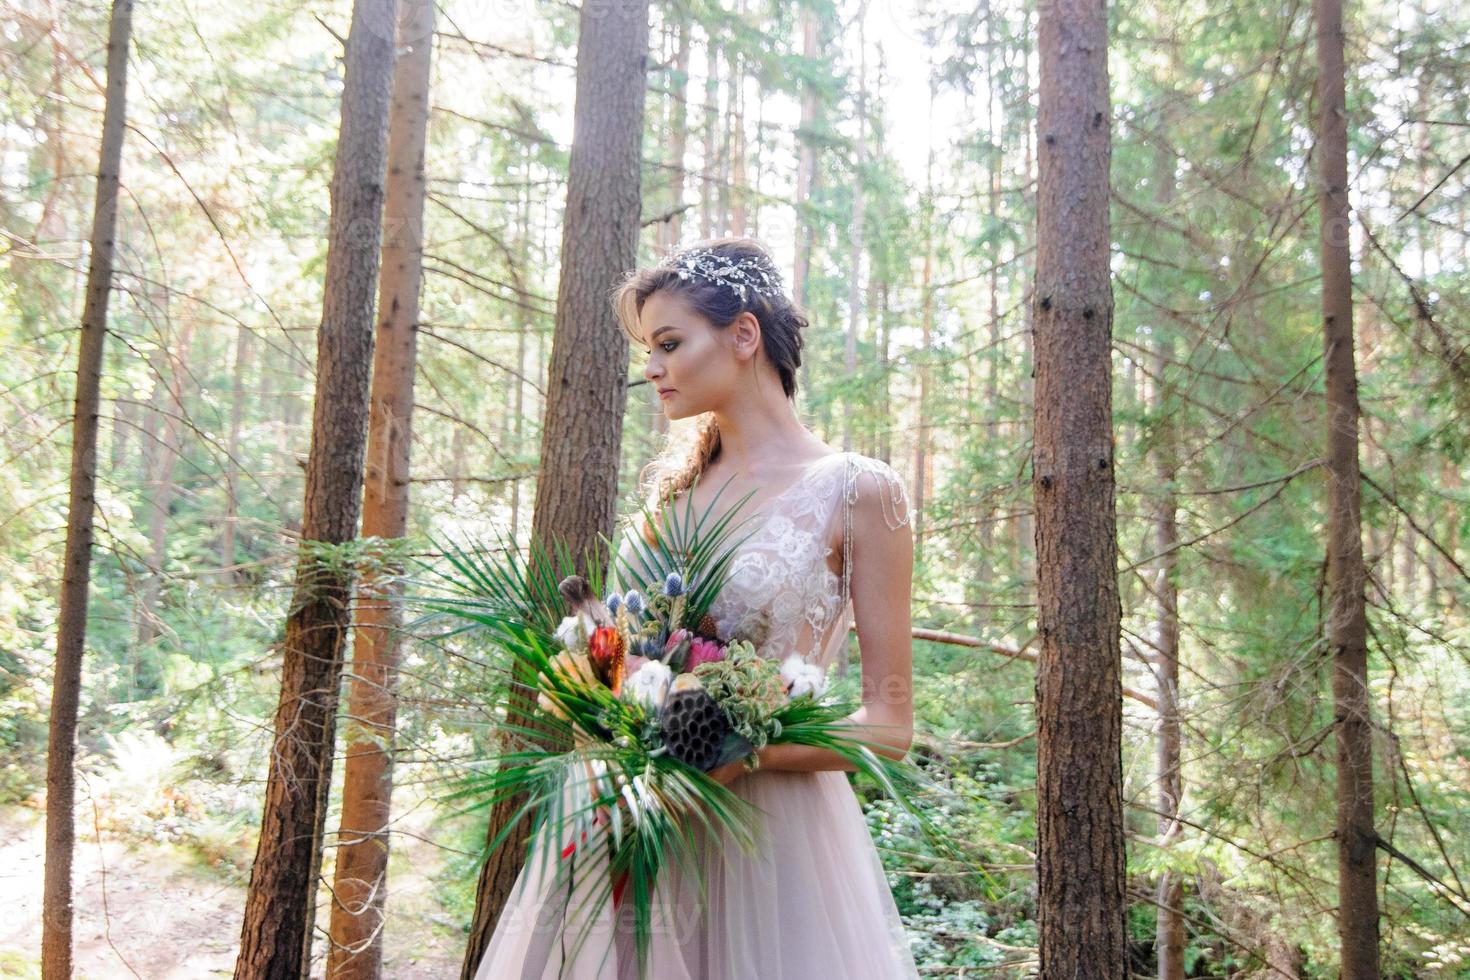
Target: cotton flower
pixel 650 685
pixel 574 631
pixel 801 678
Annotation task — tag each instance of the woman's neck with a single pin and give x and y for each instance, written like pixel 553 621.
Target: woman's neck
pixel 761 433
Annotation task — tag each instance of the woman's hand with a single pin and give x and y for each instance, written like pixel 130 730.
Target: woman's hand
pixel 729 772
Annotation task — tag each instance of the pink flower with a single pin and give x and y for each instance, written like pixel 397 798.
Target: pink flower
pixel 702 651
pixel 675 638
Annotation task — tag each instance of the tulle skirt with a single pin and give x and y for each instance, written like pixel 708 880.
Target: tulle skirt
pixel 810 903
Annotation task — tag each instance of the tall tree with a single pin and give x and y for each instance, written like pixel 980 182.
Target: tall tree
pixel 1347 621
pixel 586 388
pixel 71 629
pixel 359 889
pixel 230 532
pixel 276 936
pixel 806 165
pixel 857 245
pixel 1170 934
pixel 161 455
pixel 1081 904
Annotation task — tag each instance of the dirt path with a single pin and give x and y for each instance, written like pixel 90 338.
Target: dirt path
pixel 143 911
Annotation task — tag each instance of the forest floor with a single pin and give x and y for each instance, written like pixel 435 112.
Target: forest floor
pixel 156 912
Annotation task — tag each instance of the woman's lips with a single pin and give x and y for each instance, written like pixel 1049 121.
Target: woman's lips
pixel 665 392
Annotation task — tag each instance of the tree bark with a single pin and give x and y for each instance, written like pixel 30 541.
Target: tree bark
pixel 857 243
pixel 806 162
pixel 360 879
pixel 169 369
pixel 1080 844
pixel 1347 624
pixel 230 533
pixel 1170 936
pixel 586 389
pixel 280 903
pixel 71 629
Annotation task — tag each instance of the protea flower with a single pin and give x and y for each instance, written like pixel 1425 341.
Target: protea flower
pixel 605 649
pixel 703 651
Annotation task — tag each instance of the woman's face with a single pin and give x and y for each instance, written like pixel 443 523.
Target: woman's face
pixel 693 365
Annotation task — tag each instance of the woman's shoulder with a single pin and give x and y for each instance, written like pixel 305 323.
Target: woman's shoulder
pixel 874 486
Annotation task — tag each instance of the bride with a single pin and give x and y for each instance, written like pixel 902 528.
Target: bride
pixel 829 542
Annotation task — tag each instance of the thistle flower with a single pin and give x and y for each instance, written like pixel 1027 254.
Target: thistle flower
pixel 613 601
pixel 802 679
pixel 634 601
pixel 673 585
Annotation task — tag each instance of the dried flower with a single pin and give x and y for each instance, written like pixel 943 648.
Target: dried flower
pixel 703 651
pixel 634 601
pixel 612 602
pixel 802 679
pixel 574 631
pixel 673 585
pixel 649 685
pixel 605 649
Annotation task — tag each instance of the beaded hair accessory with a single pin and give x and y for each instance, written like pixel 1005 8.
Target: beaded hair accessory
pixel 749 272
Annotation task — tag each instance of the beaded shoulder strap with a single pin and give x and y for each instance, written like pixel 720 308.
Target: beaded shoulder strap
pixel 894 500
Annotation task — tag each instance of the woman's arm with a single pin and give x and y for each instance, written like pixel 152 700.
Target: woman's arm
pixel 881 583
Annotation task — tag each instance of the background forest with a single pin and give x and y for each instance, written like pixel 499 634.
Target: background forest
pixel 887 153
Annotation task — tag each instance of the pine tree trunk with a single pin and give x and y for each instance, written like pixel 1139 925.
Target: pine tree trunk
pixel 926 287
pixel 586 391
pixel 806 162
pixel 170 369
pixel 280 903
pixel 1170 935
pixel 360 879
pixel 1347 626
pixel 735 154
pixel 71 629
pixel 710 153
pixel 856 243
pixel 230 533
pixel 1080 844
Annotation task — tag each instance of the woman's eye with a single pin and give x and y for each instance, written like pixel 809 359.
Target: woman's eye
pixel 668 346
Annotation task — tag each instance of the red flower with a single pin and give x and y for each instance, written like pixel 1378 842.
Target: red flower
pixel 605 649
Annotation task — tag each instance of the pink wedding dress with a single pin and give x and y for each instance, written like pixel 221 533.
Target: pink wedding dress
pixel 812 903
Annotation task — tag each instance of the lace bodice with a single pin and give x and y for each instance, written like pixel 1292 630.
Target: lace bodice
pixel 783 591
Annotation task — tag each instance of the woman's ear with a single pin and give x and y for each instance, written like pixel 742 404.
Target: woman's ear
pixel 745 335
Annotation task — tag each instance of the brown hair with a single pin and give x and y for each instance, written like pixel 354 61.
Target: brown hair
pixel 781 322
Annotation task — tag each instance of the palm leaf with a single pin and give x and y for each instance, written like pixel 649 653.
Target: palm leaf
pixel 697 546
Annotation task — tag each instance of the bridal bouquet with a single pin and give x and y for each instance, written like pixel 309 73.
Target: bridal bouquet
pixel 621 705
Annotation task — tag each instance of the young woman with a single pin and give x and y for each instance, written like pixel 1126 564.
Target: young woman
pixel 829 540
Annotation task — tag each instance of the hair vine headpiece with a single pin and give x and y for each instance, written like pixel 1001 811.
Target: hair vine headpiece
pixel 750 272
